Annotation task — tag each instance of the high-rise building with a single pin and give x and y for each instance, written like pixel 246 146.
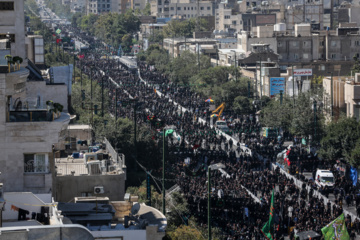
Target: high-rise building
pixel 30 121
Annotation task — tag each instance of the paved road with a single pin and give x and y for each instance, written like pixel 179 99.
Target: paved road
pixel 351 209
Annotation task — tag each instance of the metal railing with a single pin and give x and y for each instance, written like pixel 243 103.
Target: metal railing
pixel 65 169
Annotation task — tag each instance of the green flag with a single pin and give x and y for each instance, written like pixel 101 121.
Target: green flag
pixel 303 141
pixel 168 132
pixel 336 229
pixel 268 228
pixel 58 31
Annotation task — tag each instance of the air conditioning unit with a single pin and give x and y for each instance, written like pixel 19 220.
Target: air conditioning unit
pixel 99 190
pixel 112 168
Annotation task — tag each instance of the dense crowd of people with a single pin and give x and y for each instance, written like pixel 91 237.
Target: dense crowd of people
pixel 241 192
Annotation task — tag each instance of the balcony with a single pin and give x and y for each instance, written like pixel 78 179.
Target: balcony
pixel 31 110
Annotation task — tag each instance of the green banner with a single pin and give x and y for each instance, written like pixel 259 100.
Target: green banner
pixel 268 228
pixel 336 229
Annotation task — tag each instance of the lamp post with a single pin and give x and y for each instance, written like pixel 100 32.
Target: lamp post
pixel 209 204
pixel 281 97
pixel 314 118
pixel 235 63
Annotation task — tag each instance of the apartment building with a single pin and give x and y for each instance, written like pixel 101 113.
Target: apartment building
pixel 232 21
pixel 321 50
pixel 29 127
pixel 102 6
pixel 182 9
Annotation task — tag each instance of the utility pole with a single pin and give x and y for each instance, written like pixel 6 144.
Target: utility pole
pixel 293 81
pixel 314 119
pixel 135 147
pixel 260 82
pixel 281 97
pixel 91 96
pixel 163 174
pixel 80 73
pixel 332 96
pixel 235 68
pixel 256 82
pixel 198 53
pixel 74 68
pixel 248 89
pixel 102 96
pixel 209 204
pixel 116 114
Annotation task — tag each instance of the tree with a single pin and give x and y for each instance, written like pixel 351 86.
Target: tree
pixel 303 117
pixel 242 105
pixel 186 233
pixel 76 20
pixel 356 66
pixel 147 10
pixel 354 157
pixel 276 115
pixel 341 138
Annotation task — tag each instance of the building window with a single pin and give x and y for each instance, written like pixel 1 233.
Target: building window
pixel 333 55
pixel 159 10
pixel 208 8
pixel 321 43
pixel 333 43
pixel 179 8
pixel 184 8
pixel 234 22
pixel 357 43
pixel 280 44
pixel 295 44
pixel 296 56
pixel 192 8
pixel 201 8
pixel 172 8
pixel 322 67
pixel 227 17
pixel 305 44
pixel 305 56
pixel 226 26
pixel 6 6
pixel 108 6
pixel 36 163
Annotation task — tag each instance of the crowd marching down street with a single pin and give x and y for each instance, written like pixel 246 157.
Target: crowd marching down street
pixel 242 191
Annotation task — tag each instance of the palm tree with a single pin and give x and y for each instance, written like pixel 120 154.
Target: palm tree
pixel 18 60
pixel 9 60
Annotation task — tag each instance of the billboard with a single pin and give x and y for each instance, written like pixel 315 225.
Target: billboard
pixel 277 84
pixel 303 72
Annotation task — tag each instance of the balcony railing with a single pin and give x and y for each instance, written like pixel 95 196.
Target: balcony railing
pixel 29 116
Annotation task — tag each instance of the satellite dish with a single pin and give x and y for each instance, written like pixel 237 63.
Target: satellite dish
pixel 135 209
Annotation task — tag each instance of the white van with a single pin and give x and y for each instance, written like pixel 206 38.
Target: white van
pixel 324 178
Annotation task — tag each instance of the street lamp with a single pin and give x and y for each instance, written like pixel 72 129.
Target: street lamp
pixel 314 106
pixel 235 63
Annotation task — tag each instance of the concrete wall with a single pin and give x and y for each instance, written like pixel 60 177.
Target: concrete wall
pixel 68 187
pixel 56 93
pixel 151 233
pixel 13 22
pixel 70 231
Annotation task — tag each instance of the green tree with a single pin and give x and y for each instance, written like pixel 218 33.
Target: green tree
pixel 356 66
pixel 354 157
pixel 277 115
pixel 340 140
pixel 147 10
pixel 242 105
